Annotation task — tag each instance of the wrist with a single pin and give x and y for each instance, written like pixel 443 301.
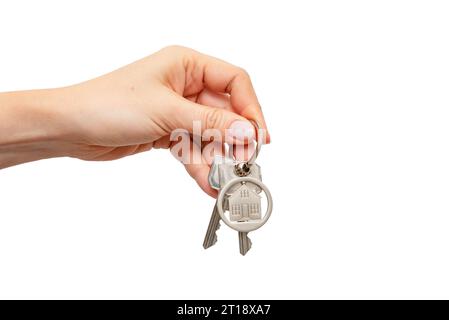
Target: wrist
pixel 31 126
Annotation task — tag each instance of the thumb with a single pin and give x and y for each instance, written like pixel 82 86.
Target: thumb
pixel 197 118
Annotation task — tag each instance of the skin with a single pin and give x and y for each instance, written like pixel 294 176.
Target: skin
pixel 130 110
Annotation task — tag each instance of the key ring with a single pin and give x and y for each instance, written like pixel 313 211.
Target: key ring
pixel 248 225
pixel 244 168
pixel 259 144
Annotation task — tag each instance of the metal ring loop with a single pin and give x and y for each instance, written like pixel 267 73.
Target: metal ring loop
pixel 253 158
pixel 244 226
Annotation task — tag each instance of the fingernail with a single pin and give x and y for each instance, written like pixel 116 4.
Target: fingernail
pixel 242 130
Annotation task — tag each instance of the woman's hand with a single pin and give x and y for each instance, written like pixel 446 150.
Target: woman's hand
pixel 131 110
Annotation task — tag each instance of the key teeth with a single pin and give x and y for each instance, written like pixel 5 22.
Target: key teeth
pixel 207 244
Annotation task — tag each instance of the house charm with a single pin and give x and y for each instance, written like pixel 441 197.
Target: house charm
pixel 244 204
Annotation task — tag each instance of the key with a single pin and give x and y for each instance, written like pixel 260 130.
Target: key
pixel 244 201
pixel 239 190
pixel 211 234
pixel 244 243
pixel 214 224
pixel 239 207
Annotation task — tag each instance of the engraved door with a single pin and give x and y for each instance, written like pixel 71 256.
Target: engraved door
pixel 245 211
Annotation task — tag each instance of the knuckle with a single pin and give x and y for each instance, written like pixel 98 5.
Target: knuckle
pixel 213 118
pixel 175 49
pixel 243 73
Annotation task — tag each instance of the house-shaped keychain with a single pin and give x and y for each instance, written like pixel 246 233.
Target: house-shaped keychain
pixel 244 204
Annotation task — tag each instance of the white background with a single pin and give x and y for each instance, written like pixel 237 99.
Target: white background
pixel 356 97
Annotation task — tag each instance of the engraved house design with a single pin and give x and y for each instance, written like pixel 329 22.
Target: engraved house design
pixel 244 204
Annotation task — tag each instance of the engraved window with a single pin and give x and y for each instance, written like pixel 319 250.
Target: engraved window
pixel 254 208
pixel 244 193
pixel 236 209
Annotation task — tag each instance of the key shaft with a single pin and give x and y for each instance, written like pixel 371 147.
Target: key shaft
pixel 211 234
pixel 244 243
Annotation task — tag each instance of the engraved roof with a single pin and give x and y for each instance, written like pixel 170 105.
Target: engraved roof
pixel 244 187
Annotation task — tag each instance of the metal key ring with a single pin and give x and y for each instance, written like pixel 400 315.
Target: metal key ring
pixel 249 225
pixel 242 169
pixel 253 158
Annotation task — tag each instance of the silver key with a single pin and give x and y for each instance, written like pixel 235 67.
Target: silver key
pixel 244 204
pixel 214 224
pixel 244 243
pixel 211 234
pixel 241 200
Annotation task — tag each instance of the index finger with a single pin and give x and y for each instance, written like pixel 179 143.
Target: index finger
pixel 220 76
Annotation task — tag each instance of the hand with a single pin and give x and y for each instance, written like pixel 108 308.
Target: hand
pixel 135 108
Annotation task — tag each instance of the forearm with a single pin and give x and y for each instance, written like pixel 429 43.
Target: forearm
pixel 31 127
